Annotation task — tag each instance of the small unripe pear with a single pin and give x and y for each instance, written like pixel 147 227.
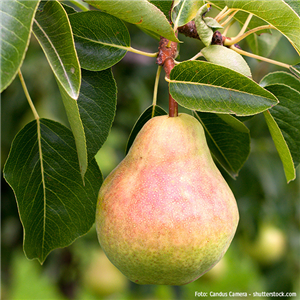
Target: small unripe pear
pixel 165 214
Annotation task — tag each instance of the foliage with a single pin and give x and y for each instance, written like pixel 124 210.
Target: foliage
pixel 51 168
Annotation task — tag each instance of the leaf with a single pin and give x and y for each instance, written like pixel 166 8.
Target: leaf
pixel 16 21
pixel 241 17
pixel 228 140
pixel 295 70
pixel 184 11
pixel 54 206
pixel 150 33
pixel 80 4
pixel 287 115
pixel 53 31
pixel 226 57
pixel 141 13
pixel 275 12
pixel 164 6
pixel 69 10
pixel 264 43
pixel 295 5
pixel 281 77
pixel 204 31
pixel 212 23
pixel 72 110
pixel 101 40
pixel 97 105
pixel 207 87
pixel 281 146
pixel 144 117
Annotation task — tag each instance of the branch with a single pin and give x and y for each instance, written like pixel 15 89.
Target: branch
pixel 167 52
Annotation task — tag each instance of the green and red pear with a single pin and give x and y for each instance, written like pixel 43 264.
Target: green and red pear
pixel 165 215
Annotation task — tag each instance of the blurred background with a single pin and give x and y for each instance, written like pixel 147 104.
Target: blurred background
pixel 265 252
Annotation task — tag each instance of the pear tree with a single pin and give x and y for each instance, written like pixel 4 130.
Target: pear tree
pixel 52 169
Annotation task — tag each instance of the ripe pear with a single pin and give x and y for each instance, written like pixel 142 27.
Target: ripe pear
pixel 165 215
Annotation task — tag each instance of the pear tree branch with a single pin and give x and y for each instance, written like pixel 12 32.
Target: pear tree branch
pixel 167 52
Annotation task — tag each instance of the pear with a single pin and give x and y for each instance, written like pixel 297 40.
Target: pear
pixel 165 215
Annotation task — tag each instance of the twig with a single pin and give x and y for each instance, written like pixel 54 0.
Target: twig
pixel 167 52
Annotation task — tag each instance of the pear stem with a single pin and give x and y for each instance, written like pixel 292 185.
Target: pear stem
pixel 173 105
pixel 167 52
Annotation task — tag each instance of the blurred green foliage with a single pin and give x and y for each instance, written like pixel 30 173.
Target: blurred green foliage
pixel 264 198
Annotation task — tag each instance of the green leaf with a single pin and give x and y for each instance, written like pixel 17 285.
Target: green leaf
pixel 281 77
pixel 287 115
pixel 164 6
pixel 80 4
pixel 212 23
pixel 142 120
pixel 295 5
pixel 281 146
pixel 101 40
pixel 16 21
pixel 264 43
pixel 295 70
pixel 204 31
pixel 207 87
pixel 150 33
pixel 276 12
pixel 184 11
pixel 54 206
pixel 53 31
pixel 72 110
pixel 226 57
pixel 141 13
pixel 69 10
pixel 97 105
pixel 241 17
pixel 228 140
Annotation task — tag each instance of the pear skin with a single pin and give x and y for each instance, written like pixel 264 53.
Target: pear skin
pixel 165 215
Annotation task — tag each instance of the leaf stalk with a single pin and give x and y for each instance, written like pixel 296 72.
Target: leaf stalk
pixel 155 89
pixel 140 52
pixel 271 61
pixel 232 41
pixel 34 111
pixel 242 31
